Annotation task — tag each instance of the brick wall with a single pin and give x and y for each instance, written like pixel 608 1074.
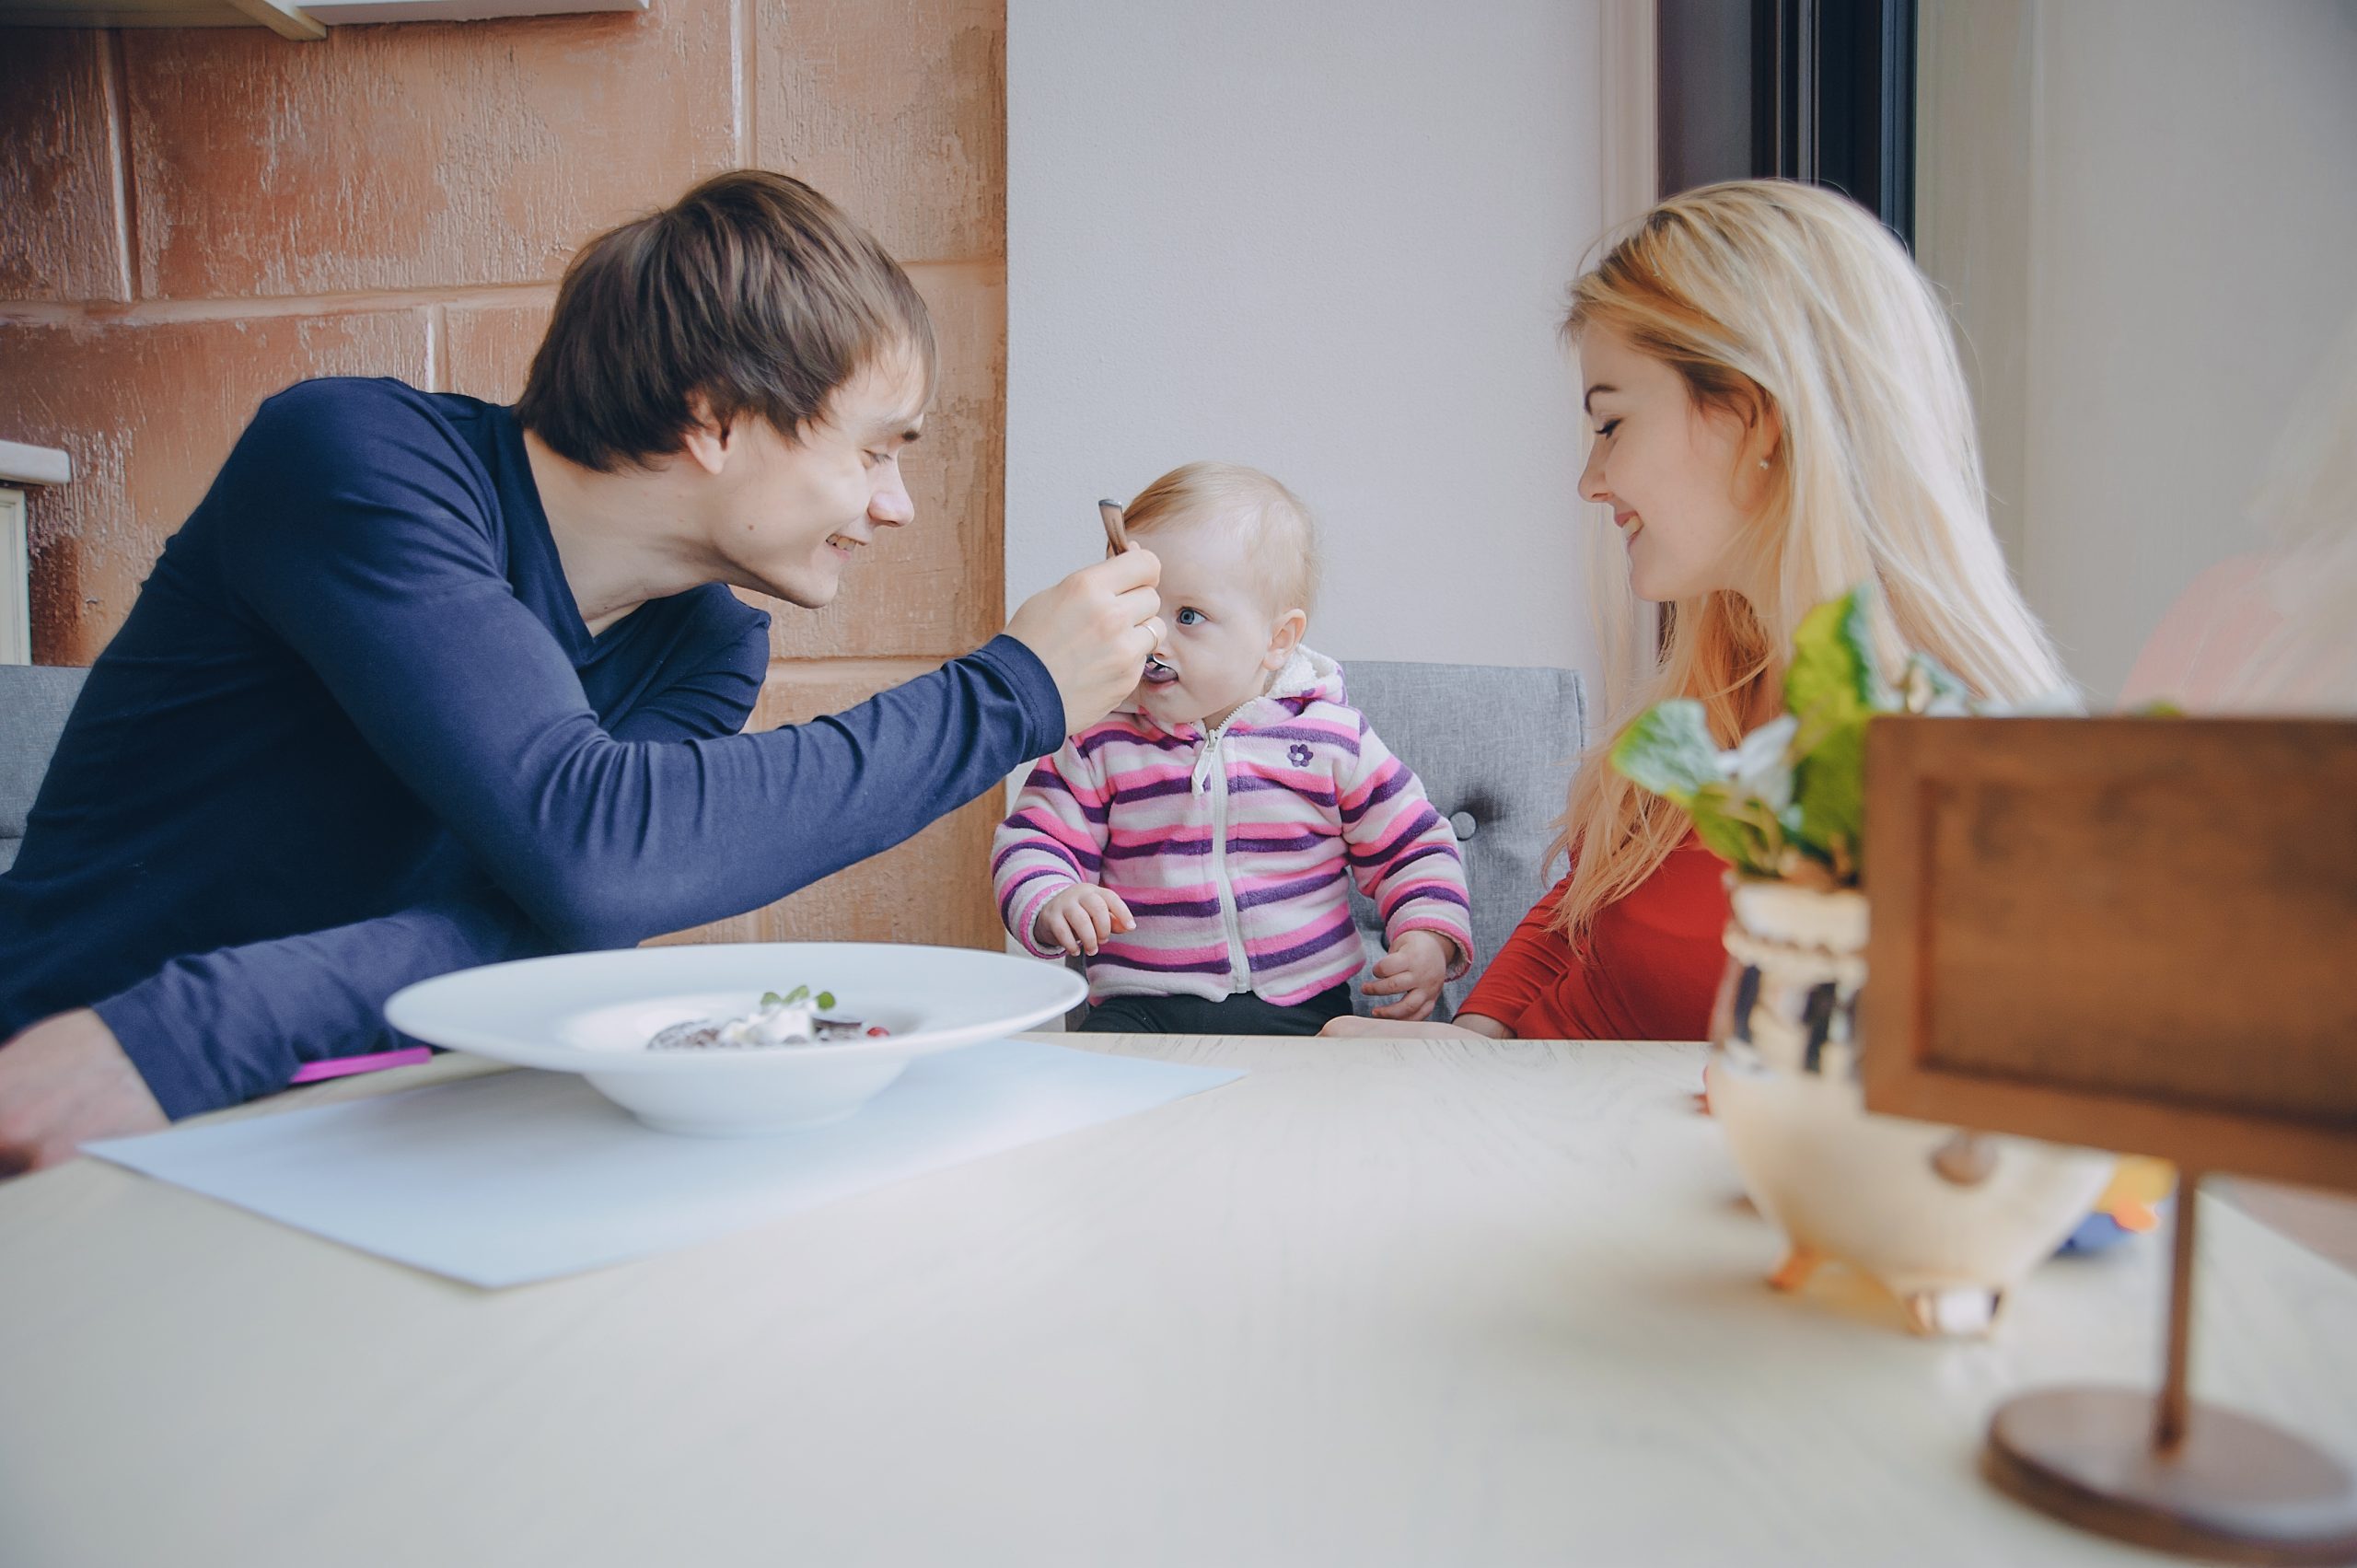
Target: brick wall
pixel 191 219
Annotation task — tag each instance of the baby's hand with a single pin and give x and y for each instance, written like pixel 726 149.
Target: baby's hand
pixel 1413 971
pixel 1080 917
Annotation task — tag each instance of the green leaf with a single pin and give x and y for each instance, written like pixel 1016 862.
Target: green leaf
pixel 771 999
pixel 1830 788
pixel 1833 675
pixel 799 993
pixel 1737 828
pixel 827 999
pixel 1668 751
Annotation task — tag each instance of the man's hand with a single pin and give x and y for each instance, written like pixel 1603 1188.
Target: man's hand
pixel 63 1081
pixel 1081 917
pixel 1094 631
pixel 1413 971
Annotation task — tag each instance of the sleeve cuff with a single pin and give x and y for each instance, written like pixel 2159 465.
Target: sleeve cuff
pixel 1459 938
pixel 1028 917
pixel 1034 688
pixel 163 1034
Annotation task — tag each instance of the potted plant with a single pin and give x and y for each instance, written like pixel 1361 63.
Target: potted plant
pixel 1949 1220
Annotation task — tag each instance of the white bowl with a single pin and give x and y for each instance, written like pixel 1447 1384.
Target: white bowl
pixel 592 1013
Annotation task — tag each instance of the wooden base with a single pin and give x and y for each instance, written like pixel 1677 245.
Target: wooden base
pixel 2235 1489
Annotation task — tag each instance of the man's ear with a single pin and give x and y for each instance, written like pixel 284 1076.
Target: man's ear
pixel 1290 627
pixel 706 441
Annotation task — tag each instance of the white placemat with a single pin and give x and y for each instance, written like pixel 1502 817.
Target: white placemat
pixel 524 1175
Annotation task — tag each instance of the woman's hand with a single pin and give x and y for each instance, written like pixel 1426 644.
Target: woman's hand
pixel 1390 1028
pixel 1386 1029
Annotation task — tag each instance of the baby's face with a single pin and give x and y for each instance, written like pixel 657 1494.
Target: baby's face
pixel 1217 652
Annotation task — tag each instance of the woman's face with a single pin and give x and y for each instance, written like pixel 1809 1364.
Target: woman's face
pixel 1681 480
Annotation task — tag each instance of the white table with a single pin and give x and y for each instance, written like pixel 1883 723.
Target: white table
pixel 1439 1303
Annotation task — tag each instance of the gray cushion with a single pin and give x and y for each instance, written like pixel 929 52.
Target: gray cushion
pixel 34 701
pixel 1495 748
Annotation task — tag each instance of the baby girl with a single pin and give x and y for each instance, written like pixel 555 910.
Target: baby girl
pixel 1194 846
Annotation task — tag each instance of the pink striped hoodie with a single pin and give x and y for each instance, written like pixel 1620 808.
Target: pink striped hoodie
pixel 1231 848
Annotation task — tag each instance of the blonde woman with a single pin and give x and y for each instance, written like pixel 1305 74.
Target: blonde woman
pixel 1779 414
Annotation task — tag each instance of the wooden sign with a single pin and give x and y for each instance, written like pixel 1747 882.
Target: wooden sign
pixel 2137 934
pixel 2132 934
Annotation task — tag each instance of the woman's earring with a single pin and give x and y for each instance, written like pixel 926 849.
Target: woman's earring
pixel 1764 462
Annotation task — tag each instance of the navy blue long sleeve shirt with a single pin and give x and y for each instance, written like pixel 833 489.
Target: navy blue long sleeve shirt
pixel 355 734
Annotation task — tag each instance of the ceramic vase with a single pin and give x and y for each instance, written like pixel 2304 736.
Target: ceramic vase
pixel 1948 1220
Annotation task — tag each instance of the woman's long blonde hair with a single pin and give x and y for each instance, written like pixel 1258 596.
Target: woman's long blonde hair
pixel 1773 295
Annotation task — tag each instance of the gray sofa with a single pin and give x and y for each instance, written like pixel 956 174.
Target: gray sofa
pixel 34 701
pixel 1494 747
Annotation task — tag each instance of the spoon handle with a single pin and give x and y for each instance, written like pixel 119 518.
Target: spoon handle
pixel 1116 534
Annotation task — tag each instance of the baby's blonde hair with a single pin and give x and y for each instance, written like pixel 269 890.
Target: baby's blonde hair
pixel 1270 522
pixel 1771 295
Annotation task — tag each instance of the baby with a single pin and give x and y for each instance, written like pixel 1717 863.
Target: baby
pixel 1194 845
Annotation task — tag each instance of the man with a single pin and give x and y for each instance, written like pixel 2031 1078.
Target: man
pixel 425 682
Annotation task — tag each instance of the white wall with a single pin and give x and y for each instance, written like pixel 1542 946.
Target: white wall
pixel 2176 185
pixel 1330 238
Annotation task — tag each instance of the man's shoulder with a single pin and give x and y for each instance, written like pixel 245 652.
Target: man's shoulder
pixel 337 425
pixel 346 403
pixel 322 444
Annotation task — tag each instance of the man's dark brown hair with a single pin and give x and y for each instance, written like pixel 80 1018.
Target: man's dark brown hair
pixel 753 290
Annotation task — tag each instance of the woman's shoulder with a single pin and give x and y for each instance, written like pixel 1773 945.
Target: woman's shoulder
pixel 1685 896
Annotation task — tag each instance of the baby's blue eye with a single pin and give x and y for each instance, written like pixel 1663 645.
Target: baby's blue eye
pixel 1189 616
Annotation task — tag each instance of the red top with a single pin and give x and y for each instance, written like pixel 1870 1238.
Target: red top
pixel 1653 965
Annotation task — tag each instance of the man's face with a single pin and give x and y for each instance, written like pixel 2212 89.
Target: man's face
pixel 790 514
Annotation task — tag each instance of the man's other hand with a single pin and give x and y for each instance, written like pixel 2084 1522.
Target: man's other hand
pixel 63 1082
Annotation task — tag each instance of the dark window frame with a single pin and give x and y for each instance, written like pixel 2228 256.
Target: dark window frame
pixel 1830 91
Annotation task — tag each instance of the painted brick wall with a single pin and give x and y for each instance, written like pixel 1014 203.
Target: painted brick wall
pixel 192 219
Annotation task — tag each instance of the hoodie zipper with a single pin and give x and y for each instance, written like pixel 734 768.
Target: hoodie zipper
pixel 1240 966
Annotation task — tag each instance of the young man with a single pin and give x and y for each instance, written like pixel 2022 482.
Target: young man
pixel 425 682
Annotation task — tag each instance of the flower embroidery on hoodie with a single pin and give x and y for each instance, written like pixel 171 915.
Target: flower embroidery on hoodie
pixel 1300 755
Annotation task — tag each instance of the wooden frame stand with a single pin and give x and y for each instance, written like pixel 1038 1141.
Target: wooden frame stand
pixel 2170 1473
pixel 2134 935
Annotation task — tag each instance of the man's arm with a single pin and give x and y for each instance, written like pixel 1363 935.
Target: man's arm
pixel 369 556
pixel 217 1028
